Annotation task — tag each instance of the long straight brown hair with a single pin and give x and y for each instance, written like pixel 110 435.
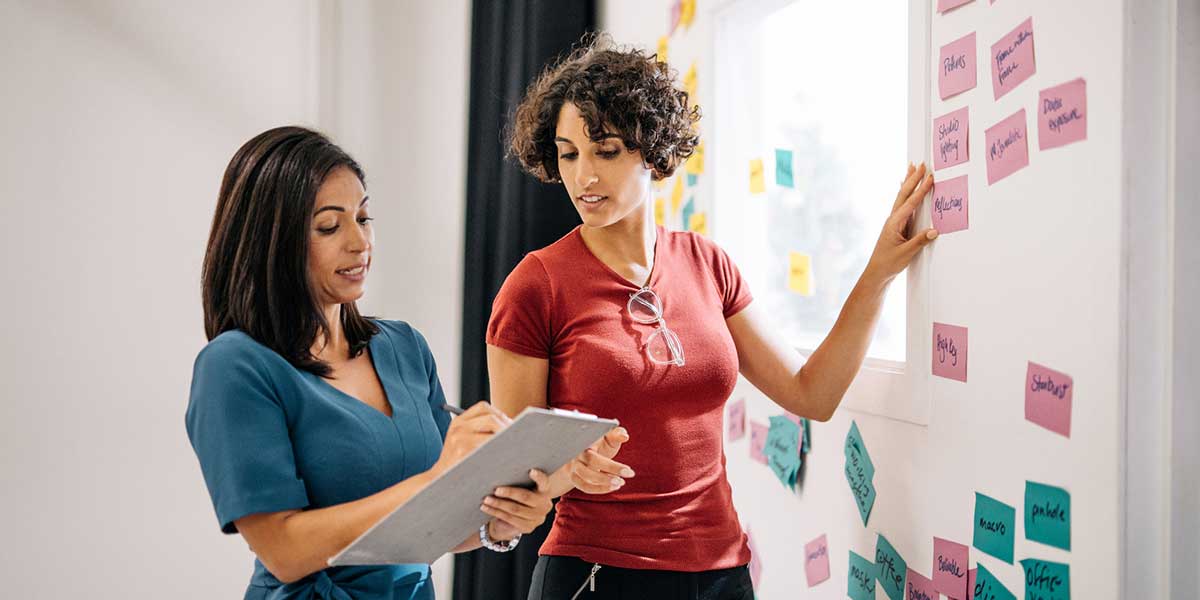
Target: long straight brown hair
pixel 255 274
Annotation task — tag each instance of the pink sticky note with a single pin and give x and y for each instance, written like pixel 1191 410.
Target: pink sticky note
pixel 970 584
pixel 945 5
pixel 737 419
pixel 950 139
pixel 1012 59
pixel 956 66
pixel 800 426
pixel 1048 398
pixel 949 206
pixel 755 562
pixel 1062 114
pixel 676 11
pixel 917 587
pixel 816 561
pixel 950 568
pixel 1007 149
pixel 758 441
pixel 950 351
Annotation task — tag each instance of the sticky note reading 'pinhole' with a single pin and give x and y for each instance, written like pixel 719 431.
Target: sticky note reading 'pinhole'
pixel 950 351
pixel 956 66
pixel 1062 114
pixel 736 425
pixel 948 210
pixel 1006 147
pixel 1048 515
pixel 994 527
pixel 1048 398
pixel 950 137
pixel 816 561
pixel 1012 59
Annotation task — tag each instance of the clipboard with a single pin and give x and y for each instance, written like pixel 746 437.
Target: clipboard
pixel 446 512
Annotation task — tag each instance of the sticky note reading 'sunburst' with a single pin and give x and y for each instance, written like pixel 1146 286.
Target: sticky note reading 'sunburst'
pixel 1006 147
pixel 950 351
pixel 1048 515
pixel 948 210
pixel 950 137
pixel 800 273
pixel 1012 59
pixel 1062 114
pixel 1045 580
pixel 816 561
pixel 757 185
pixel 736 425
pixel 950 568
pixel 891 568
pixel 994 527
pixel 1048 398
pixel 956 66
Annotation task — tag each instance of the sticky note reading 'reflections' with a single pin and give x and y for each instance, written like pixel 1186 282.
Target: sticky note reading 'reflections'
pixel 956 66
pixel 950 351
pixel 736 425
pixel 994 527
pixel 1012 59
pixel 1048 398
pixel 948 209
pixel 1062 114
pixel 816 561
pixel 1006 149
pixel 892 568
pixel 1048 515
pixel 950 137
pixel 757 185
pixel 860 578
pixel 950 568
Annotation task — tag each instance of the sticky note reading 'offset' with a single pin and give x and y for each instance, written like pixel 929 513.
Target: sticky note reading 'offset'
pixel 860 578
pixel 950 351
pixel 757 185
pixel 950 136
pixel 816 561
pixel 949 207
pixel 736 426
pixel 994 531
pixel 950 568
pixel 783 168
pixel 1012 59
pixel 956 66
pixel 917 587
pixel 800 273
pixel 758 441
pixel 1048 515
pixel 1048 398
pixel 1062 114
pixel 892 568
pixel 987 586
pixel 1045 580
pixel 1007 150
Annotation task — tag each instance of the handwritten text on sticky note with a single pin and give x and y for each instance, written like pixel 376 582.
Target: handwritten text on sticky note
pixel 956 66
pixel 948 209
pixel 816 561
pixel 757 185
pixel 1048 515
pixel 950 351
pixel 1048 398
pixel 950 568
pixel 861 575
pixel 736 425
pixel 1006 149
pixel 1045 580
pixel 1012 59
pixel 994 527
pixel 800 273
pixel 892 568
pixel 1062 114
pixel 950 136
pixel 758 441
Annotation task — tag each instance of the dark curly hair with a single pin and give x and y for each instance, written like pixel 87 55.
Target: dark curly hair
pixel 618 90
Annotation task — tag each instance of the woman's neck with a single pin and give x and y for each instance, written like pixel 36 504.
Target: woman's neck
pixel 626 246
pixel 333 347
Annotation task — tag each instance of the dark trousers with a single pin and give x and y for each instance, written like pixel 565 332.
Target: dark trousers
pixel 562 577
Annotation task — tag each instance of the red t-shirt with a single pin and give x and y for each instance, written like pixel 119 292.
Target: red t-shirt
pixel 563 304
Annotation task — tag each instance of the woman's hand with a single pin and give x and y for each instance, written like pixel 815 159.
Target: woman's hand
pixel 895 249
pixel 594 471
pixel 516 511
pixel 467 432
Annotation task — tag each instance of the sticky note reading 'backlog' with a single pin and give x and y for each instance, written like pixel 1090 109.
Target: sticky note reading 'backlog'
pixel 1006 148
pixel 994 527
pixel 950 568
pixel 1048 515
pixel 1012 59
pixel 816 561
pixel 1048 398
pixel 950 136
pixel 736 425
pixel 758 441
pixel 800 273
pixel 950 351
pixel 948 209
pixel 956 66
pixel 1062 114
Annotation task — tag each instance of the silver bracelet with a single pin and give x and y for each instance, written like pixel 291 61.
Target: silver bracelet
pixel 494 546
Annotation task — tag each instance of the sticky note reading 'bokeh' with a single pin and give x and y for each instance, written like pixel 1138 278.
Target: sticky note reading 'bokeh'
pixel 1048 515
pixel 1045 580
pixel 757 185
pixel 948 210
pixel 994 527
pixel 800 273
pixel 917 587
pixel 891 568
pixel 736 425
pixel 950 351
pixel 987 586
pixel 950 137
pixel 860 580
pixel 1012 59
pixel 1048 398
pixel 1062 114
pixel 816 561
pixel 758 441
pixel 783 168
pixel 956 66
pixel 950 568
pixel 1006 147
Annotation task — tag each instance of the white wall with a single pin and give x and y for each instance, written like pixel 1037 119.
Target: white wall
pixel 118 119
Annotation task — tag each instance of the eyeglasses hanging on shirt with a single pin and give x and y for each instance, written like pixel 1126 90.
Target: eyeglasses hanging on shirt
pixel 663 346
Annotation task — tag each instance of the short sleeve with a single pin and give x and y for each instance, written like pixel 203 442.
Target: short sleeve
pixel 521 315
pixel 239 431
pixel 735 292
pixel 437 397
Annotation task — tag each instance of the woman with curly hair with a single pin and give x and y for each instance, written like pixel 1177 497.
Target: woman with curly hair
pixel 624 319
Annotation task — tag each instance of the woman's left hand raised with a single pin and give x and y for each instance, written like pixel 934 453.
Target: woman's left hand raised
pixel 516 511
pixel 896 248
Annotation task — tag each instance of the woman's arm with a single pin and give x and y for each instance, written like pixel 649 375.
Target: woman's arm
pixel 519 381
pixel 814 389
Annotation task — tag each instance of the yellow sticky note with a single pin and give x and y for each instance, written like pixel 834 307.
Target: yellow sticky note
pixel 687 12
pixel 800 273
pixel 658 183
pixel 689 84
pixel 695 163
pixel 662 49
pixel 698 223
pixel 757 185
pixel 677 195
pixel 660 211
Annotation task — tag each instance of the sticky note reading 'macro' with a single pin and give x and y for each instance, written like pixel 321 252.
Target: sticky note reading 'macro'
pixel 994 527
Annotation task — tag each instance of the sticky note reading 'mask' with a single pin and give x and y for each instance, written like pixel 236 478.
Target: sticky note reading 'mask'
pixel 1062 114
pixel 948 211
pixel 956 66
pixel 1012 59
pixel 1048 398
pixel 1006 147
pixel 816 561
pixel 950 136
pixel 950 351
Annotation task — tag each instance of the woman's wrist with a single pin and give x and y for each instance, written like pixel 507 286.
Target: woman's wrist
pixel 492 535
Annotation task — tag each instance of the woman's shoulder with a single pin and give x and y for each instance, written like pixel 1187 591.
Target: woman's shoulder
pixel 236 351
pixel 401 335
pixel 693 245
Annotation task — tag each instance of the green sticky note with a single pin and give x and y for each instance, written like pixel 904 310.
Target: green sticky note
pixel 863 490
pixel 994 527
pixel 691 180
pixel 783 450
pixel 1045 580
pixel 689 207
pixel 806 425
pixel 856 452
pixel 783 168
pixel 990 588
pixel 861 578
pixel 1048 515
pixel 892 568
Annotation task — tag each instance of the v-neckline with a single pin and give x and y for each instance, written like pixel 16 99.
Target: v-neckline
pixel 619 277
pixel 387 397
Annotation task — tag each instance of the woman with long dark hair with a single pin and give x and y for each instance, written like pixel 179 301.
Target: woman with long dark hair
pixel 312 422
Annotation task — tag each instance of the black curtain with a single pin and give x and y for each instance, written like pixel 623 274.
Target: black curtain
pixel 508 215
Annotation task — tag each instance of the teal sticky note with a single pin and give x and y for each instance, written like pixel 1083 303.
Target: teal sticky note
pixel 863 490
pixel 891 568
pixel 856 451
pixel 1045 580
pixel 783 168
pixel 994 527
pixel 987 587
pixel 806 425
pixel 860 582
pixel 1048 515
pixel 689 207
pixel 691 179
pixel 783 450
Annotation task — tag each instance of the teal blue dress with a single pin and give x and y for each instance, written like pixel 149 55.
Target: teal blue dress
pixel 271 437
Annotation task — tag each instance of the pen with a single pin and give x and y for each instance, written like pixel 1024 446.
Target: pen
pixel 454 410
